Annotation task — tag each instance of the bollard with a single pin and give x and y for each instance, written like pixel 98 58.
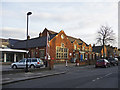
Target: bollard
pixel 66 63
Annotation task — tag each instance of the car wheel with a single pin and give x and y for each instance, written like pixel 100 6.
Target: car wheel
pixel 32 66
pixel 105 66
pixel 96 66
pixel 14 67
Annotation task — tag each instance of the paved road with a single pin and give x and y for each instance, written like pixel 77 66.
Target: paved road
pixel 87 77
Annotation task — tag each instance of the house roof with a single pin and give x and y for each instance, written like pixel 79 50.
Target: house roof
pixel 39 41
pixel 52 32
pixel 79 41
pixel 34 42
pixel 13 41
pixel 72 39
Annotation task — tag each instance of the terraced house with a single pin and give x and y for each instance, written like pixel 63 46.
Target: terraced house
pixel 56 46
pixel 109 51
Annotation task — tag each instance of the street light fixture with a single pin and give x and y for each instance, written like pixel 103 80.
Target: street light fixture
pixel 26 70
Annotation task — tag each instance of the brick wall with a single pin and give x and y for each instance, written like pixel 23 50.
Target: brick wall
pixel 56 41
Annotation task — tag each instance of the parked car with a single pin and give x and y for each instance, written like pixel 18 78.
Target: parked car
pixel 32 63
pixel 113 61
pixel 118 57
pixel 102 63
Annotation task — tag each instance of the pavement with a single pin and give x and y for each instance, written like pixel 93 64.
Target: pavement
pixel 11 75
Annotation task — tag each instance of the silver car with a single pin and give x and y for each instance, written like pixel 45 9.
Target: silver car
pixel 32 63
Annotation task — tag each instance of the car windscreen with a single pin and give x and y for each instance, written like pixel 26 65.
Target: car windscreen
pixel 23 60
pixel 110 59
pixel 100 60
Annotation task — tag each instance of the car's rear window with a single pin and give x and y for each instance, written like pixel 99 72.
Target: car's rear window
pixel 34 60
pixel 110 59
pixel 100 60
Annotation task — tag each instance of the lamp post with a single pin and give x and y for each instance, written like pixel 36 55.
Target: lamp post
pixel 26 70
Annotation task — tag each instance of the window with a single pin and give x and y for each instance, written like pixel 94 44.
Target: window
pixel 86 55
pixel 29 60
pixel 62 44
pixel 42 53
pixel 34 60
pixel 61 53
pixel 62 36
pixel 83 48
pixel 90 49
pixel 33 52
pixel 23 60
pixel 75 47
pixel 10 57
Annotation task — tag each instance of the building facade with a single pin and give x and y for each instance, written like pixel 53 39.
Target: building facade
pixel 8 55
pixel 109 51
pixel 56 46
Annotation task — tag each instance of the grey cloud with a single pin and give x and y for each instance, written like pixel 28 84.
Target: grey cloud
pixel 9 32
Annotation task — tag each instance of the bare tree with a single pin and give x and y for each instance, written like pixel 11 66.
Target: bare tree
pixel 105 36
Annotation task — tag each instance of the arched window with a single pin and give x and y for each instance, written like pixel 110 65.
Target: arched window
pixel 75 46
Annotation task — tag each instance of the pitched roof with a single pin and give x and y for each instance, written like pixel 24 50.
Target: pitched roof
pixel 40 41
pixel 34 42
pixel 72 39
pixel 79 41
pixel 13 41
pixel 52 32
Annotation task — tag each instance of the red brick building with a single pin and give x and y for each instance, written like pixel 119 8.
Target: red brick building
pixel 60 47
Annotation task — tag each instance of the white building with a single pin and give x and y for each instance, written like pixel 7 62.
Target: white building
pixel 11 55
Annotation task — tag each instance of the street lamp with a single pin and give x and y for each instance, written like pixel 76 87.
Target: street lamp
pixel 26 70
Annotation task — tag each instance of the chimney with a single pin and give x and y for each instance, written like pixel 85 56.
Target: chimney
pixel 28 37
pixel 93 45
pixel 45 29
pixel 40 34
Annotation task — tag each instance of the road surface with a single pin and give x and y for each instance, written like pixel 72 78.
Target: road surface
pixel 77 77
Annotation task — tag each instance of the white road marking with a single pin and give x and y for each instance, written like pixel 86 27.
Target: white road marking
pixel 108 74
pixel 101 77
pixel 93 80
pixel 98 78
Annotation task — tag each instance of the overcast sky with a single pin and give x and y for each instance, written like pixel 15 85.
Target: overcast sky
pixel 78 19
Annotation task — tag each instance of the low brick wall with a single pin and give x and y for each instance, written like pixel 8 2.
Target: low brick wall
pixel 5 63
pixel 82 63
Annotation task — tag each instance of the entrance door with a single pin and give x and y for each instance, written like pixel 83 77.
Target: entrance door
pixel 81 57
pixel 76 56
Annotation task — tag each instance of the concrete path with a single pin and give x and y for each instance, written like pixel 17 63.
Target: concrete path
pixel 16 75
